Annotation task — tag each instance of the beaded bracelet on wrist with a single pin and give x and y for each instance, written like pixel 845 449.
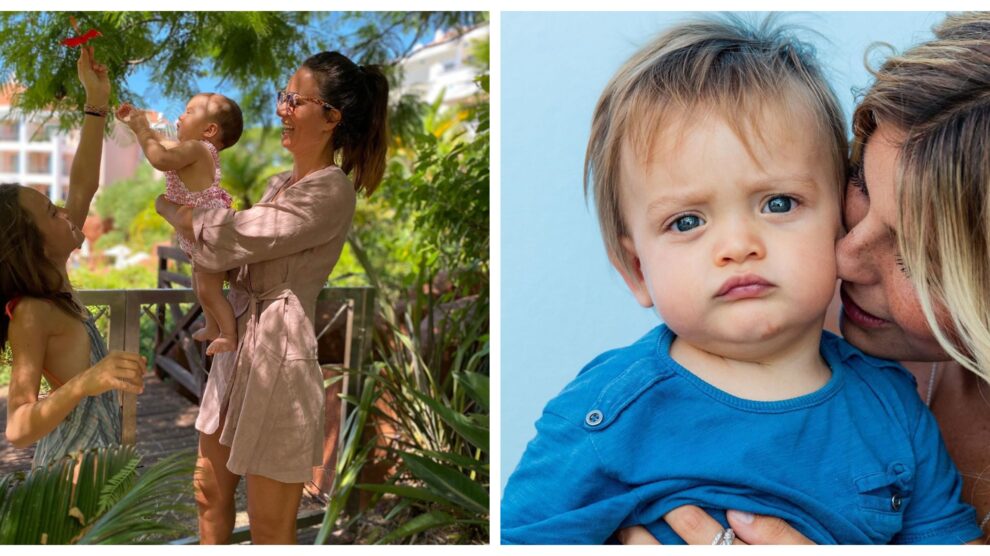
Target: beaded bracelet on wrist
pixel 98 111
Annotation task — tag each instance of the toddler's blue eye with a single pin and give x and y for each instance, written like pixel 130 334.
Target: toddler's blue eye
pixel 687 222
pixel 780 203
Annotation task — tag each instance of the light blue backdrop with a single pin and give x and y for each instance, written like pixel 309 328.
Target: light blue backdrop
pixel 562 303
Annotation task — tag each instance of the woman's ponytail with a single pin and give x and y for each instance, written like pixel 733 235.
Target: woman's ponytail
pixel 367 152
pixel 360 140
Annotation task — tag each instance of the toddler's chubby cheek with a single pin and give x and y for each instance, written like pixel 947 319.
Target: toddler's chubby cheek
pixel 680 316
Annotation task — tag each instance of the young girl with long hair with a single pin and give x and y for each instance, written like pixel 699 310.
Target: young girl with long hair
pixel 50 332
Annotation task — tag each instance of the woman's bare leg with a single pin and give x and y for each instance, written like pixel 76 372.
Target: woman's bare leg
pixel 209 290
pixel 215 488
pixel 272 509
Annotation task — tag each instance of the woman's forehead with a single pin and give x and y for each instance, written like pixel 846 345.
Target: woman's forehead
pixel 32 200
pixel 303 81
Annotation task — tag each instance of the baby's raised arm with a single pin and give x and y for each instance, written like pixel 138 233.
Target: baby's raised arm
pixel 162 157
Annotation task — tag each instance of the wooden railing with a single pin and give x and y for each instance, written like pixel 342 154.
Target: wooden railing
pixel 349 309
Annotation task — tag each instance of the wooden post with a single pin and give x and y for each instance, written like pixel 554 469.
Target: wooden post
pixel 119 340
pixel 132 343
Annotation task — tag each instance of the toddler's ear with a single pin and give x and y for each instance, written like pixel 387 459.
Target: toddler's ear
pixel 634 275
pixel 211 130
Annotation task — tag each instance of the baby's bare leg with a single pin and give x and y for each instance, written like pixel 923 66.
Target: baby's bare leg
pixel 210 330
pixel 209 290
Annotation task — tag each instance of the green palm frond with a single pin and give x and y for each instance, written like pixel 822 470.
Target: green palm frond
pixel 117 486
pixel 106 503
pixel 36 507
pixel 148 512
pixel 439 409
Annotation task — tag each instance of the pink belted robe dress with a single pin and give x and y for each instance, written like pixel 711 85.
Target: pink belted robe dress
pixel 278 255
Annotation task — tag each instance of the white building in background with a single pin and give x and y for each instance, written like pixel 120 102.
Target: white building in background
pixel 37 154
pixel 34 153
pixel 443 65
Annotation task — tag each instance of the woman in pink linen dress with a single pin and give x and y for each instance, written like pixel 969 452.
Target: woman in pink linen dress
pixel 261 415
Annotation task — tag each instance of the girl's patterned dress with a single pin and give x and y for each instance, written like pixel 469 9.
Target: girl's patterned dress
pixel 94 422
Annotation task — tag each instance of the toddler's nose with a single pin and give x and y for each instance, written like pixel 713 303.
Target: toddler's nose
pixel 739 243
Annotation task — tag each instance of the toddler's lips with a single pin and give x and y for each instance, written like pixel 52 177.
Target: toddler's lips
pixel 746 286
pixel 857 314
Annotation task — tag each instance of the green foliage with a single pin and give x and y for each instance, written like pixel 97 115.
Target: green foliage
pixel 435 386
pixel 348 271
pixel 448 195
pixel 108 504
pixel 109 239
pixel 106 278
pixel 351 459
pixel 5 359
pixel 147 228
pixel 253 51
pixel 248 165
pixel 130 204
pixel 435 197
pixel 149 511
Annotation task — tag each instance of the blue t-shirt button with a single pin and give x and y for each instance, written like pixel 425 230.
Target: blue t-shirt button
pixel 895 502
pixel 593 418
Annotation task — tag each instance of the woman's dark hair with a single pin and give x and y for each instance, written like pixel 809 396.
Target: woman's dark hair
pixel 361 95
pixel 24 268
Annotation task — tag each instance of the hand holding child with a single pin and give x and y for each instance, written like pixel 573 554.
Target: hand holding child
pixel 119 370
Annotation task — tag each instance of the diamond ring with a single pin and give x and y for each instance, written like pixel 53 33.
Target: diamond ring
pixel 725 536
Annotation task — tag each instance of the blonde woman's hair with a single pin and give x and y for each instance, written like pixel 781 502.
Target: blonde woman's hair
pixel 723 65
pixel 938 94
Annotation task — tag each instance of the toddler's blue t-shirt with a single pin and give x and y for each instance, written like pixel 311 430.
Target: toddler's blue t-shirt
pixel 635 435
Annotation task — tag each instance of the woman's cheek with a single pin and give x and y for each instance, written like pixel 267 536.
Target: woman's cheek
pixel 905 308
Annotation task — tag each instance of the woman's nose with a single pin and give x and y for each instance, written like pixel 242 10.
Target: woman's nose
pixel 858 252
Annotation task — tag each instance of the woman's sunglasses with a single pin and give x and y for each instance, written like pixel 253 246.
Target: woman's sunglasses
pixel 292 100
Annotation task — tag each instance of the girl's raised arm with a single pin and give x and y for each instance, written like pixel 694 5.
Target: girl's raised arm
pixel 84 178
